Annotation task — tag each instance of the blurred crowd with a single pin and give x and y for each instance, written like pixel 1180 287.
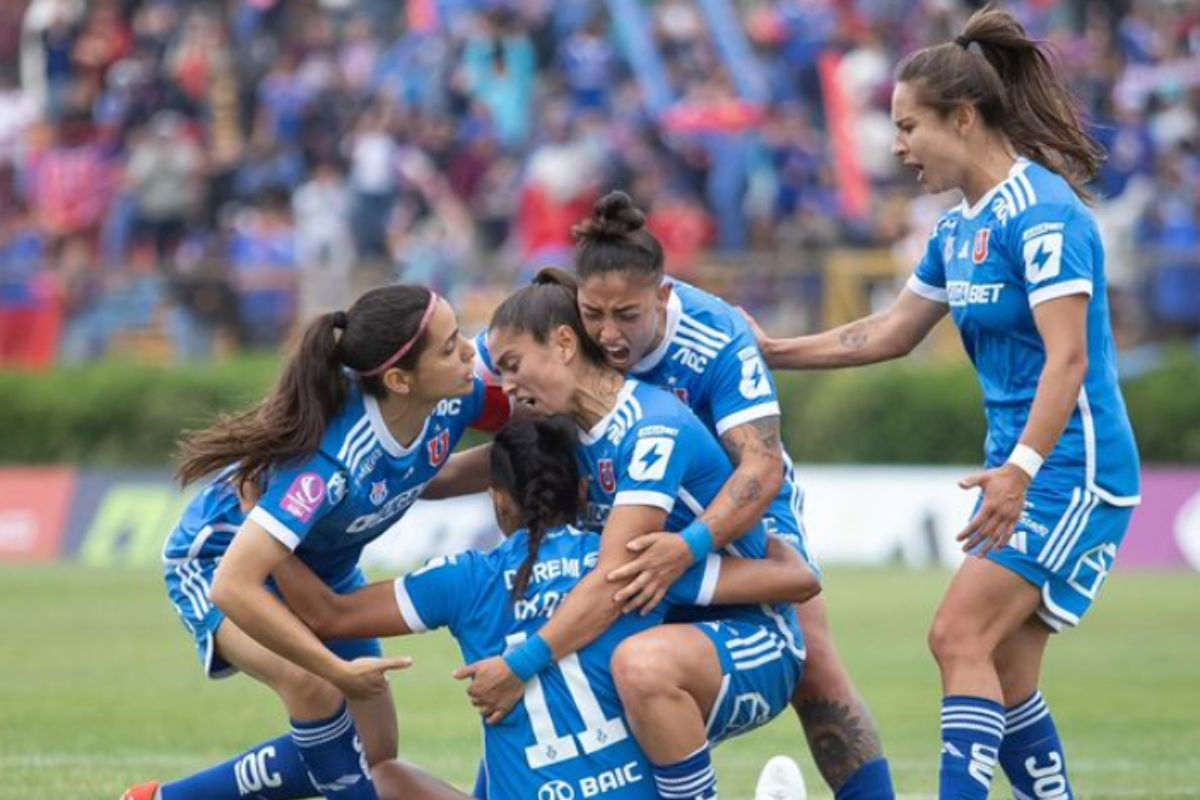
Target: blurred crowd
pixel 214 170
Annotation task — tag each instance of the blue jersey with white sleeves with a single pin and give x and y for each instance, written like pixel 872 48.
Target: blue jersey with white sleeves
pixel 1027 241
pixel 652 450
pixel 329 506
pixel 570 728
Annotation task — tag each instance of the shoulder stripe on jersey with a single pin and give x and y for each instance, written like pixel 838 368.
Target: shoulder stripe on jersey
pixel 694 344
pixel 351 436
pixel 697 336
pixel 407 609
pixel 635 408
pixel 1027 186
pixel 360 453
pixel 645 498
pixel 353 445
pixel 1014 207
pixel 277 529
pixel 1018 190
pixel 697 326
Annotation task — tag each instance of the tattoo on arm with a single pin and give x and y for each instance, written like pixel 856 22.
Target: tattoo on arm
pixel 841 741
pixel 854 336
pixel 758 438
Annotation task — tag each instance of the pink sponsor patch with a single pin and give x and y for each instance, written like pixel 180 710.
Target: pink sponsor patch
pixel 304 496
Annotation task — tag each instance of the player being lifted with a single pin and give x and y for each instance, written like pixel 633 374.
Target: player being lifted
pixel 568 736
pixel 365 414
pixel 1019 265
pixel 651 466
pixel 687 341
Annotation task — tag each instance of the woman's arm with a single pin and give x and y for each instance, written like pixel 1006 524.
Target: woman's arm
pixel 782 577
pixel 888 334
pixel 239 591
pixel 464 473
pixel 367 612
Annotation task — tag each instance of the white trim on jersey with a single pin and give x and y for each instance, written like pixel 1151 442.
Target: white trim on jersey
pixel 1089 448
pixel 207 531
pixel 285 535
pixel 693 505
pixel 716 706
pixel 597 431
pixel 644 498
pixel 407 609
pixel 685 340
pixel 759 411
pixel 708 584
pixel 970 212
pixel 1069 543
pixel 1024 182
pixel 922 289
pixel 1057 290
pixel 389 443
pixel 652 359
pixel 719 337
pixel 351 439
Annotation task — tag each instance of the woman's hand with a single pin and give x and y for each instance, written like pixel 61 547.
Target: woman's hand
pixel 364 678
pixel 494 689
pixel 1003 502
pixel 662 558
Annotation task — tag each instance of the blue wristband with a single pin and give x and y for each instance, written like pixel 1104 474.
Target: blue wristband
pixel 530 658
pixel 699 539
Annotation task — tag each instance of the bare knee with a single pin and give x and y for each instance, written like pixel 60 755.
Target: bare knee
pixel 641 668
pixel 307 696
pixel 953 642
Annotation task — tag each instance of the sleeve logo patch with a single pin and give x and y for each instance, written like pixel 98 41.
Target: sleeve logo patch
pixel 650 458
pixel 1043 257
pixel 304 496
pixel 754 383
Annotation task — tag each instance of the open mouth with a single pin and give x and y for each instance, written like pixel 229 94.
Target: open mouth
pixel 616 355
pixel 526 401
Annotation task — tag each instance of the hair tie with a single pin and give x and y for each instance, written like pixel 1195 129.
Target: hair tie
pixel 963 41
pixel 404 348
pixel 340 320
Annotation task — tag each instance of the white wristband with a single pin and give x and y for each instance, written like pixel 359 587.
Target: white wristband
pixel 1027 459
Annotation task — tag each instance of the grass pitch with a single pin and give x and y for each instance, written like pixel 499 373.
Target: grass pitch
pixel 100 688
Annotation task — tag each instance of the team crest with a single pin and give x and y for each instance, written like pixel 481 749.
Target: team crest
pixel 979 254
pixel 439 448
pixel 379 492
pixel 608 478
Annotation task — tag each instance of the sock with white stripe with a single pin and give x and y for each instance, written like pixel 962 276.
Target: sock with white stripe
pixel 268 771
pixel 690 779
pixel 334 757
pixel 972 730
pixel 1032 754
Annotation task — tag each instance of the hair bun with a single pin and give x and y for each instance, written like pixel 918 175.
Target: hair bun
pixel 613 216
pixel 340 320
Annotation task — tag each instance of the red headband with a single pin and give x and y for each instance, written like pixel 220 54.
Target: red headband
pixel 404 348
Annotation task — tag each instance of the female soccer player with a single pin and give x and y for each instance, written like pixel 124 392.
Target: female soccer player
pixel 568 736
pixel 366 412
pixel 687 341
pixel 1020 267
pixel 651 466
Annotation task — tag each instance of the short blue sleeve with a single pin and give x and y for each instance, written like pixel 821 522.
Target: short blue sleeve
pixel 696 586
pixel 653 460
pixel 440 593
pixel 929 279
pixel 298 497
pixel 484 365
pixel 742 388
pixel 1056 247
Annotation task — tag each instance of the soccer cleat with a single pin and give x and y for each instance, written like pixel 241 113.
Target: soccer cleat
pixel 143 791
pixel 780 779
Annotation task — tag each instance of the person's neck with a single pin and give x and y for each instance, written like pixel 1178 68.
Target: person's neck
pixel 405 417
pixel 988 172
pixel 596 395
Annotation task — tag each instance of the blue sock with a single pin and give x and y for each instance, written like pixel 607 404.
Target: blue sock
pixel 1032 754
pixel 268 771
pixel 334 758
pixel 690 779
pixel 972 730
pixel 481 787
pixel 871 781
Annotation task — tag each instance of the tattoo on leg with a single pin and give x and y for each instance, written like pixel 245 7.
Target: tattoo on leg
pixel 840 739
pixel 854 337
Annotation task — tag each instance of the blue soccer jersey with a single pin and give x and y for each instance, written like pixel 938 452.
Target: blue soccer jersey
pixel 651 450
pixel 569 737
pixel 1028 241
pixel 359 482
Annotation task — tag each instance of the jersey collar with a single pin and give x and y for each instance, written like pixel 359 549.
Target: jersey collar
pixel 652 359
pixel 971 212
pixel 594 435
pixel 386 440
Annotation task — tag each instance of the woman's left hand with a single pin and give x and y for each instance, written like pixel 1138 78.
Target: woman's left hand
pixel 1003 502
pixel 494 689
pixel 662 558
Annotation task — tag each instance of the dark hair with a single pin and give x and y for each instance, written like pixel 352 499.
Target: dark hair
pixel 290 422
pixel 537 309
pixel 614 239
pixel 534 463
pixel 1009 78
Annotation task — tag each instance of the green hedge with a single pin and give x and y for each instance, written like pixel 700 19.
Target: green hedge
pixel 117 414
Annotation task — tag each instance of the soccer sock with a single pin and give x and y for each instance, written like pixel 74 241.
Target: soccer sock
pixel 871 781
pixel 972 730
pixel 690 779
pixel 480 792
pixel 270 771
pixel 334 758
pixel 1032 754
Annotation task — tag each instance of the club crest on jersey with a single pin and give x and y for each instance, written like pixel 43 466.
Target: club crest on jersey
pixel 608 476
pixel 979 254
pixel 439 448
pixel 379 492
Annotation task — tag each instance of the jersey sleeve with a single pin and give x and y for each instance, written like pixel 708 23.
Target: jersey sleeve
pixel 439 594
pixel 653 458
pixel 696 586
pixel 297 498
pixel 929 278
pixel 485 367
pixel 1056 249
pixel 742 388
pixel 490 408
